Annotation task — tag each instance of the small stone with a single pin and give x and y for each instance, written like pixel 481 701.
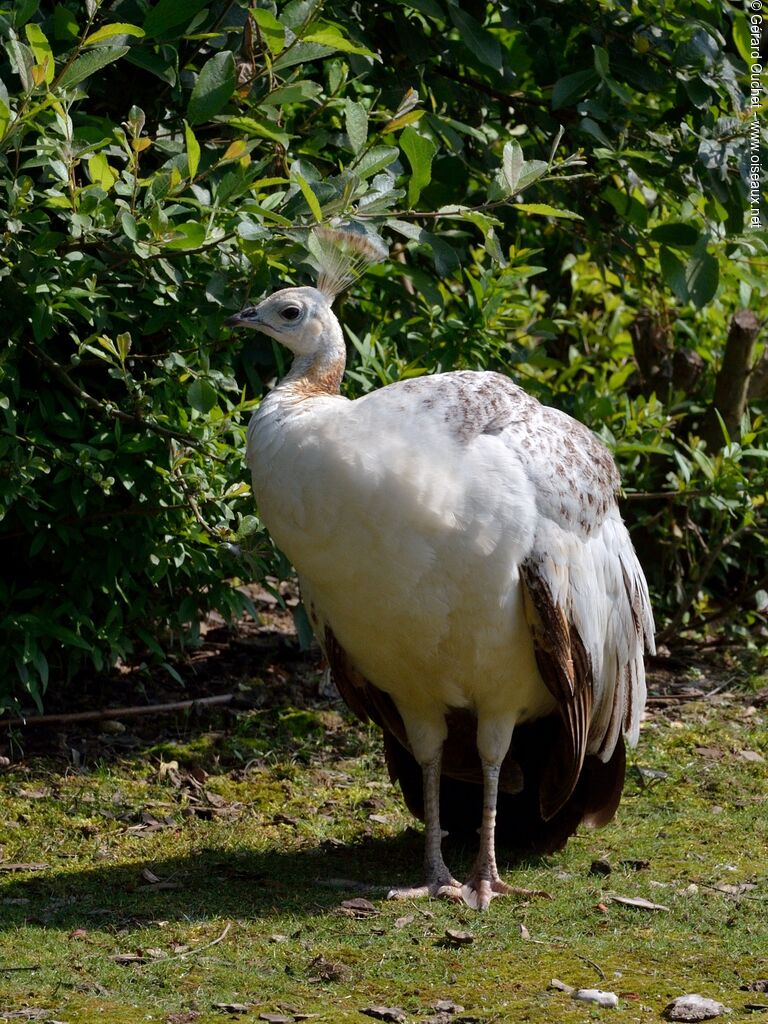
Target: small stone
pixel 561 986
pixel 448 1006
pixel 394 1014
pixel 596 996
pixel 694 1007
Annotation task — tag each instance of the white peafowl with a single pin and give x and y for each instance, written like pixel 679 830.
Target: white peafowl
pixel 466 570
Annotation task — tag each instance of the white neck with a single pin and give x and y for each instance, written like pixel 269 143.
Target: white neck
pixel 321 370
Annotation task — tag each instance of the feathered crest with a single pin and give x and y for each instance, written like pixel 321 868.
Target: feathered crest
pixel 341 255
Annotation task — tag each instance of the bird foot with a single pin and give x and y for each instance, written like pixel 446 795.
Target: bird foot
pixel 477 892
pixel 438 888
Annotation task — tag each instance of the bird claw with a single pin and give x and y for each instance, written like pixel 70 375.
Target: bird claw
pixel 477 893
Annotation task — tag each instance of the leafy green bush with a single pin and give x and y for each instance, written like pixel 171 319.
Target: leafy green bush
pixel 541 177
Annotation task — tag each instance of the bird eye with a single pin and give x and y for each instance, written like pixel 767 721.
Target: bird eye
pixel 290 313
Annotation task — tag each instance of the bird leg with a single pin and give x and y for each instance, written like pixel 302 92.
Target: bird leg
pixel 439 880
pixel 484 882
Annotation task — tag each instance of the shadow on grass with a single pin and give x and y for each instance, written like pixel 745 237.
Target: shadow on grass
pixel 216 883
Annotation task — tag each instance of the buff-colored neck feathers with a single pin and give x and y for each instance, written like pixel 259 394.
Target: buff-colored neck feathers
pixel 341 256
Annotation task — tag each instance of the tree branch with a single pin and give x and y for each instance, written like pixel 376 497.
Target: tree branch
pixel 731 386
pixel 109 411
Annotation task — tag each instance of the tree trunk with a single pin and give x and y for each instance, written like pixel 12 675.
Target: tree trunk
pixel 732 384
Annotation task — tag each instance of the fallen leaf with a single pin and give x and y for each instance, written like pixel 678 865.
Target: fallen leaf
pixel 232 1007
pixel 380 819
pixel 640 902
pixel 694 1007
pixel 149 876
pixel 277 1018
pixel 182 1017
pixel 358 907
pixel 129 958
pixel 601 907
pixel 735 890
pixel 389 1013
pixel 712 753
pixel 34 794
pixel 326 970
pixel 278 938
pixel 405 920
pixel 457 938
pixel 524 933
pixel 751 755
pixel 596 996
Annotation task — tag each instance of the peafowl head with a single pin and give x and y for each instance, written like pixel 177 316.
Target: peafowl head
pixel 296 317
pixel 301 318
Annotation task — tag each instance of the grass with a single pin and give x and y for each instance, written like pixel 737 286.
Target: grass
pixel 210 869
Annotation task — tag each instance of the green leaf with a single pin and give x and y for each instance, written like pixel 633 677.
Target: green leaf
pixel 41 50
pixel 193 150
pixel 101 173
pixel 702 275
pixel 168 14
pixel 356 124
pixel 673 274
pixel 272 32
pixel 301 53
pixel 627 206
pixel 374 160
pixel 544 210
pixel 110 31
pixel 532 171
pixel 189 235
pixel 512 161
pixel 213 88
pixel 420 151
pixel 201 395
pixel 741 37
pixel 309 195
pixel 332 36
pixel 478 40
pixel 262 129
pixel 65 27
pixel 5 117
pixel 676 233
pixel 67 636
pixel 23 61
pixel 567 90
pixel 602 64
pixel 89 63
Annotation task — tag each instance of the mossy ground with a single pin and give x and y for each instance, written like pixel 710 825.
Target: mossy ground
pixel 218 880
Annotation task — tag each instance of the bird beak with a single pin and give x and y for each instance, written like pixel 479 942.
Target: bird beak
pixel 247 317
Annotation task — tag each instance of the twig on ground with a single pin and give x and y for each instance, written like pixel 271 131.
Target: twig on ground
pixel 128 712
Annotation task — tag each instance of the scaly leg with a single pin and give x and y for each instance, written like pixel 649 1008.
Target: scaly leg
pixel 484 882
pixel 439 880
